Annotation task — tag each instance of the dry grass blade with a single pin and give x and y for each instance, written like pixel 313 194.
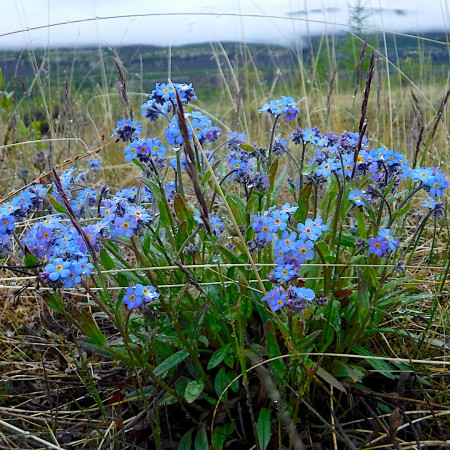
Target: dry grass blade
pixel 191 166
pixel 122 88
pixel 363 121
pixel 25 434
pixel 358 67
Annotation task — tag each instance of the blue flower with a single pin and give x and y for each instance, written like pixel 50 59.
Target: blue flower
pixel 131 298
pixel 288 208
pixel 95 164
pixel 6 225
pixel 275 298
pixel 287 242
pixel 267 229
pixel 430 203
pixel 296 297
pixel 378 246
pixel 285 272
pixel 156 148
pixel 123 226
pixel 437 184
pixel 170 190
pixel 58 269
pixel 127 129
pixel 310 136
pixel 304 251
pixel 279 220
pixel 357 197
pixel 326 167
pixel 283 105
pixel 391 241
pixel 308 230
pixel 216 224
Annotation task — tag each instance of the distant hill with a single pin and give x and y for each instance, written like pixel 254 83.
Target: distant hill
pixel 147 64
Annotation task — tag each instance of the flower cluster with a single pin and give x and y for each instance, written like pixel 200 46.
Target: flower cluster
pixel 127 130
pixel 338 155
pixel 56 240
pixel 139 297
pixel 243 164
pixel 202 127
pixel 144 149
pixel 292 248
pixel 28 201
pixel 162 99
pixel 95 164
pixel 383 244
pixel 284 105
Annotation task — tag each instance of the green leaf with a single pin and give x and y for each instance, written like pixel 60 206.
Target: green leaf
pixel 237 207
pixel 350 372
pixel 361 224
pixel 186 441
pixel 153 187
pixel 402 211
pixel 220 383
pixel 30 259
pixel 231 375
pixel 273 173
pixel 247 147
pixel 90 327
pixel 198 319
pixel 181 210
pixel 263 428
pixel 181 235
pixel 220 435
pixel 55 303
pixel 163 215
pixel 347 240
pixel 193 389
pixel 322 373
pixel 218 356
pixel 279 182
pixel 201 440
pixel 107 262
pixel 170 362
pixel 378 364
pixel 273 349
pixel 58 207
pixel 303 203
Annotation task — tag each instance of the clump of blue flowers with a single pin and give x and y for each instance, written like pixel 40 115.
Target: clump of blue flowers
pixel 284 105
pixel 139 297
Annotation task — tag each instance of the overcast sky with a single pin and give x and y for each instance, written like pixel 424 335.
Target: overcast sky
pixel 393 15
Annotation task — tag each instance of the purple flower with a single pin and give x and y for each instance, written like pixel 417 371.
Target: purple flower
pixel 378 246
pixel 386 234
pixel 127 129
pixel 123 226
pixel 275 298
pixel 285 272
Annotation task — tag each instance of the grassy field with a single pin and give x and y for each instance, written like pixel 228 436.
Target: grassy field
pixel 213 362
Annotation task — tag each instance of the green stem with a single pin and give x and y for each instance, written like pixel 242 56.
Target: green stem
pixel 187 345
pixel 302 161
pixel 272 135
pixel 336 214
